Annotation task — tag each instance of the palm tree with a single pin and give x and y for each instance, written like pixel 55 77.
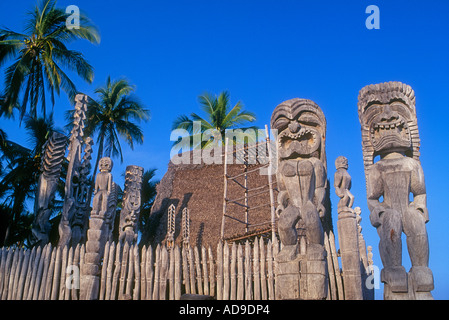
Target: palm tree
pixel 220 117
pixel 19 178
pixel 147 222
pixel 40 55
pixel 111 117
pixel 148 194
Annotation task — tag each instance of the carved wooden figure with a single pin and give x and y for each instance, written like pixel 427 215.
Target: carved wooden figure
pixel 342 184
pixel 79 221
pixel 302 182
pixel 73 172
pixel 185 226
pixel 53 155
pixel 103 187
pixel 171 226
pixel 129 216
pixel 348 232
pixel 97 234
pixel 389 130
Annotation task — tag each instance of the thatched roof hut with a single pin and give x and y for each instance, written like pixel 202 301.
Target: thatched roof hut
pixel 199 187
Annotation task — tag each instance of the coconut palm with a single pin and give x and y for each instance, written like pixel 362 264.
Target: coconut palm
pixel 113 116
pixel 19 178
pixel 39 56
pixel 220 117
pixel 148 194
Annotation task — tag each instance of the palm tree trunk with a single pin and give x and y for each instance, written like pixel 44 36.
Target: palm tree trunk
pixel 5 240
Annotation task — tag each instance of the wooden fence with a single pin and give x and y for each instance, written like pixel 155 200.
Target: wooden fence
pixel 235 272
pixel 227 272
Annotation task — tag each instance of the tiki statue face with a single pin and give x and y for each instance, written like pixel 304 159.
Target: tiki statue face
pixel 105 164
pixel 388 117
pixel 301 128
pixel 388 129
pixel 341 162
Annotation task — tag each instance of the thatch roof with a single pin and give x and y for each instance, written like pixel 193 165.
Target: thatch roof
pixel 199 187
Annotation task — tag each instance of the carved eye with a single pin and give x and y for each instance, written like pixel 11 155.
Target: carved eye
pixel 308 119
pixel 281 123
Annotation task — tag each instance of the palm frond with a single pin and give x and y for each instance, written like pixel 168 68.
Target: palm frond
pixel 41 54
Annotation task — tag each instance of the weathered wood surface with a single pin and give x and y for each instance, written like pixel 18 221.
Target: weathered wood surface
pixel 237 272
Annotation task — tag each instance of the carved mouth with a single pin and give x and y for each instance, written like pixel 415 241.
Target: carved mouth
pixel 130 222
pixel 302 143
pixel 393 134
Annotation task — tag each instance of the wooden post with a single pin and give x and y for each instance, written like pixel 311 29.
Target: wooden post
pixel 35 269
pixel 332 292
pixel 270 270
pixel 76 259
pixel 171 274
pixel 256 269
pixel 220 270
pixel 171 226
pixel 62 288
pixel 185 226
pixel 137 274
pixel 51 270
pixel 43 273
pixel 240 276
pixel 211 272
pixel 245 184
pixel 225 187
pixel 143 280
pixel 233 272
pixel 178 278
pixel 339 279
pixel 115 277
pixel 185 269
pixel 192 271
pixel 149 272
pixel 18 273
pixel 9 260
pixel 248 275
pixel 130 275
pixel 4 253
pixel 23 274
pixel 225 271
pixel 156 272
pixel 26 289
pixel 123 270
pixel 198 271
pixel 104 271
pixel 263 274
pixel 205 272
pixel 270 183
pixel 163 273
pixel 109 274
pixel 14 277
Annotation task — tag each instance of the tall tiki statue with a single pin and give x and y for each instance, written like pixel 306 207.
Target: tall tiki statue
pixel 129 216
pixel 302 182
pixel 72 182
pixel 389 130
pixel 98 232
pixel 53 155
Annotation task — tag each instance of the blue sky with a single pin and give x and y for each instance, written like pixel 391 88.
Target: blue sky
pixel 265 52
